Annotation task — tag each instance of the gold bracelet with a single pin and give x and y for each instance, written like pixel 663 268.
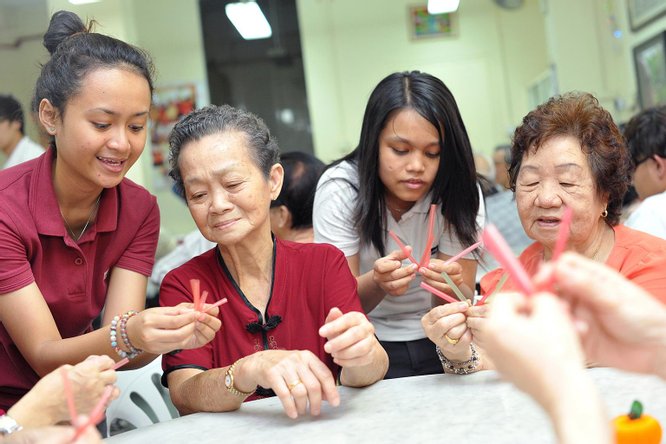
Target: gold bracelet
pixel 229 383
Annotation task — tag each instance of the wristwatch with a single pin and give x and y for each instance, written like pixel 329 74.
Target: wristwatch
pixel 229 382
pixel 8 425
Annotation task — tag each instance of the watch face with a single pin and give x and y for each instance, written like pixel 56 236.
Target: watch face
pixel 227 380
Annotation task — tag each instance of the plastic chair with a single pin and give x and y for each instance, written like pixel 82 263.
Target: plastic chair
pixel 143 400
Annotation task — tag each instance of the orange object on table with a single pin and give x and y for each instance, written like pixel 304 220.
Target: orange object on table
pixel 637 427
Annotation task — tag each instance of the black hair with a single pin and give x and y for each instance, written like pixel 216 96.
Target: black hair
pixel 10 109
pixel 75 52
pixel 301 173
pixel 646 134
pixel 455 183
pixel 214 119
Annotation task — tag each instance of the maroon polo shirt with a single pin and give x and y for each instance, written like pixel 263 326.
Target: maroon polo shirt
pixel 73 278
pixel 308 280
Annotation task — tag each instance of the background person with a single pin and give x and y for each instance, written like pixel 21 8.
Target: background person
pixel 292 324
pixel 413 151
pixel 291 212
pixel 14 144
pixel 646 139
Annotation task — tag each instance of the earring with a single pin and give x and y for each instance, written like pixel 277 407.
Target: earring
pixel 604 213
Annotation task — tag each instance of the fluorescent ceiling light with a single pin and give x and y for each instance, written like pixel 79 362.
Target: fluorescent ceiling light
pixel 248 20
pixel 83 2
pixel 442 6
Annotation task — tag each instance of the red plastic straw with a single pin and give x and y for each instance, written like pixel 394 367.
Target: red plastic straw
pixel 402 247
pixel 217 304
pixel 425 258
pixel 120 363
pixel 498 247
pixel 69 395
pixel 465 252
pixel 194 283
pixel 563 233
pixel 202 301
pixel 438 293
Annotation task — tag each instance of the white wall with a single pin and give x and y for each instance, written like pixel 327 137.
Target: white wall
pixel 348 46
pixel 589 57
pixel 170 30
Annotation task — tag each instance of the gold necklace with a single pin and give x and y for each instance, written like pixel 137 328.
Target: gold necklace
pixel 85 227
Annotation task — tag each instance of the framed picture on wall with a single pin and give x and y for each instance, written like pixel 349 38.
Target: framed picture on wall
pixel 642 12
pixel 650 62
pixel 424 25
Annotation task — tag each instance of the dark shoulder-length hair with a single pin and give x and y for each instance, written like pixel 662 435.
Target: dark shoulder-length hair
pixel 455 183
pixel 579 115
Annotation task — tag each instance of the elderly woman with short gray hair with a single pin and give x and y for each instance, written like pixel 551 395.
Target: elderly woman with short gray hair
pixel 293 323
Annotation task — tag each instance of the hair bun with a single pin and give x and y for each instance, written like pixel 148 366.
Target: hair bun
pixel 63 24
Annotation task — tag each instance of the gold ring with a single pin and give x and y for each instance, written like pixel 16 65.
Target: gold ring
pixel 293 384
pixel 451 341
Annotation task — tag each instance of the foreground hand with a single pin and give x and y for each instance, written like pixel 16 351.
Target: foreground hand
pixel 298 378
pixel 163 329
pixel 351 338
pixel 54 435
pixel 449 320
pixel 533 343
pixel 432 275
pixel 45 403
pixel 621 325
pixel 391 276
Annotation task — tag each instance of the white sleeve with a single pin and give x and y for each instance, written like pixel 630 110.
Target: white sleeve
pixel 333 214
pixel 649 217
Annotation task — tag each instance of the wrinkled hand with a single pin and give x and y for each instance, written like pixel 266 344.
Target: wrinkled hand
pixel 45 403
pixel 391 276
pixel 298 378
pixel 620 324
pixel 477 322
pixel 432 275
pixel 351 338
pixel 163 329
pixel 449 320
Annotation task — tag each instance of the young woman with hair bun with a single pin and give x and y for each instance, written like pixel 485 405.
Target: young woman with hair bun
pixel 78 239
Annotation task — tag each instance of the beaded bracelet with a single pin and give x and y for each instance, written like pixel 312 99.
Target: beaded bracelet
pixel 123 332
pixel 459 367
pixel 120 322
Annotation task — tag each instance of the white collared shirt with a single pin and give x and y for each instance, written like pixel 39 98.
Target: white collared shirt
pixel 650 216
pixel 25 150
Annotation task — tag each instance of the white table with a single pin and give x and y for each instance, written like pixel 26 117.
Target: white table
pixel 476 408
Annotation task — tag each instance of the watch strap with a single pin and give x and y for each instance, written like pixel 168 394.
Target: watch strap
pixel 229 383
